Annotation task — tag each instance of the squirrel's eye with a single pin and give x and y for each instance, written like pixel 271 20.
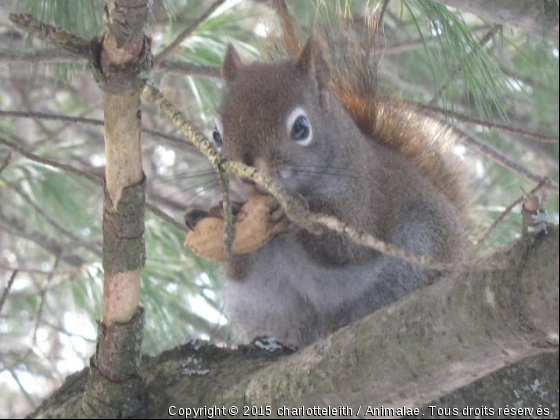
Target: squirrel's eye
pixel 217 137
pixel 298 127
pixel 300 130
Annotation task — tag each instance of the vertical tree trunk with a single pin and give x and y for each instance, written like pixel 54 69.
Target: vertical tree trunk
pixel 114 383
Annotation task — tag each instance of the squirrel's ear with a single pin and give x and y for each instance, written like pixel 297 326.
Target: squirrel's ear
pixel 232 64
pixel 313 63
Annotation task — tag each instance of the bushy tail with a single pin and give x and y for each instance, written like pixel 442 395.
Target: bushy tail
pixel 421 139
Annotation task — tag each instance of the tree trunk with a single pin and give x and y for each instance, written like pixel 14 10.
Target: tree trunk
pixel 431 346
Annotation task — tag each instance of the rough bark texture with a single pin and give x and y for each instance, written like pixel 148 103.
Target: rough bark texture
pixel 114 388
pixel 451 335
pixel 539 17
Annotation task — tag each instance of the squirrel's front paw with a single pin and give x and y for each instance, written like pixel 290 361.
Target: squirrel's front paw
pixel 256 222
pixel 193 217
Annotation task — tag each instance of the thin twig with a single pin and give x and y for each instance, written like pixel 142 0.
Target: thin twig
pixel 6 162
pixel 164 216
pixel 189 69
pixel 487 37
pixel 176 141
pixel 96 179
pixel 503 160
pixel 313 222
pixel 188 31
pixel 38 55
pixel 44 272
pixel 471 120
pixel 507 211
pixel 58 55
pixel 22 388
pixel 50 219
pixel 7 288
pixel 42 298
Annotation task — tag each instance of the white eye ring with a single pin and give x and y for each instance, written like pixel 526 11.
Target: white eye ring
pixel 294 115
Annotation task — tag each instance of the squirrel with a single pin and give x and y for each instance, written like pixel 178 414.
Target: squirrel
pixel 330 138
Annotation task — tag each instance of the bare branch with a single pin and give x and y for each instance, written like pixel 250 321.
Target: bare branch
pixel 314 222
pixel 50 219
pixel 57 55
pixel 43 55
pixel 471 120
pixel 503 160
pixel 173 140
pixel 482 238
pixel 7 288
pixel 536 17
pixel 94 178
pixel 421 348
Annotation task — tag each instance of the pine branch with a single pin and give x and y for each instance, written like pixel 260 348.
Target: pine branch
pixel 58 55
pixel 173 140
pixel 471 120
pixel 503 160
pixel 92 177
pixel 187 32
pixel 536 17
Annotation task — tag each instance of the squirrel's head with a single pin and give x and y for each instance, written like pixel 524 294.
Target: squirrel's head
pixel 282 119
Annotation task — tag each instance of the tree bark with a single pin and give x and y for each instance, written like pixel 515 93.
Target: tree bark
pixel 538 17
pixel 432 343
pixel 114 384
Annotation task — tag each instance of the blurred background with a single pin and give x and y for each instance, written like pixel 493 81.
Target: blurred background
pixel 50 233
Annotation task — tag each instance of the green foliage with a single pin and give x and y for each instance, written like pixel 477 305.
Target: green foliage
pixel 426 48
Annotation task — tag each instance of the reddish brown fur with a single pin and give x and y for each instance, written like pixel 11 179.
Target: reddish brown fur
pixel 420 139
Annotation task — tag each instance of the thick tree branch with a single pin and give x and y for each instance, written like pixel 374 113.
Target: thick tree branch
pixel 431 343
pixel 539 17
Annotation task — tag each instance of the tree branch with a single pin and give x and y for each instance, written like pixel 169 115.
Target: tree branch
pixel 58 55
pixel 503 160
pixel 471 120
pixel 168 138
pixel 94 178
pixel 536 17
pixel 425 346
pixel 7 288
pixel 188 31
pixel 314 222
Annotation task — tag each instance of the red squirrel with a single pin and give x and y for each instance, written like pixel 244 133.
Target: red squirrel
pixel 348 152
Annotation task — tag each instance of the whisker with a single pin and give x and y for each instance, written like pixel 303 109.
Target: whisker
pixel 193 187
pixel 186 175
pixel 320 167
pixel 325 173
pixel 213 188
